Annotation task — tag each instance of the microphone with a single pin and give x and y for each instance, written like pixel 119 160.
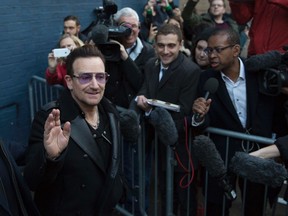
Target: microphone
pixel 129 125
pixel 258 170
pixel 206 152
pixel 210 86
pixel 99 34
pixel 164 126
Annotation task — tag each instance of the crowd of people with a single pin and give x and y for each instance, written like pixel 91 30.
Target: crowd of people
pixel 78 160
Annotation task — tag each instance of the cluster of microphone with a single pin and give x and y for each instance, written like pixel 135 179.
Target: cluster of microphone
pixel 254 169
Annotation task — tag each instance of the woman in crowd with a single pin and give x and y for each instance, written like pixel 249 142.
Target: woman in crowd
pixel 56 70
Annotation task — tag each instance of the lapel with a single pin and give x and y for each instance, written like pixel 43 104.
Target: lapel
pixel 153 80
pixel 252 89
pixel 82 136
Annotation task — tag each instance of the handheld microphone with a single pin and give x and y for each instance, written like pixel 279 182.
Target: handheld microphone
pixel 210 86
pixel 100 34
pixel 164 125
pixel 206 152
pixel 258 170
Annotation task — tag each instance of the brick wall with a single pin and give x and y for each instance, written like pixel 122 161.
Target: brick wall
pixel 29 30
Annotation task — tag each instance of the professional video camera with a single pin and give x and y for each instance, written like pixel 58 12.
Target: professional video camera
pixel 273 79
pixel 105 28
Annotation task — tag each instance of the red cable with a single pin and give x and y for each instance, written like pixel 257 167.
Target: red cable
pixel 190 161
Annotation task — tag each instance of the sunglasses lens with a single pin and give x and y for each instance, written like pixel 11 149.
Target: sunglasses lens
pixel 85 78
pixel 101 78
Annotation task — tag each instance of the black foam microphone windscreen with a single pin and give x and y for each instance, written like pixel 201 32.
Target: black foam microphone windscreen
pixel 100 34
pixel 210 87
pixel 259 170
pixel 164 125
pixel 129 125
pixel 206 152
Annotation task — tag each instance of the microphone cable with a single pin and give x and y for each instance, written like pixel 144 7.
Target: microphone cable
pixel 188 171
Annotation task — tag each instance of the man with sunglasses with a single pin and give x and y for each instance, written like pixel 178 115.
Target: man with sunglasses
pixel 237 105
pixel 73 162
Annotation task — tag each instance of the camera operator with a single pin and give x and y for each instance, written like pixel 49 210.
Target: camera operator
pixel 126 75
pixel 134 53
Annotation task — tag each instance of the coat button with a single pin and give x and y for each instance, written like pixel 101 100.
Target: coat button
pixel 85 156
pixel 83 186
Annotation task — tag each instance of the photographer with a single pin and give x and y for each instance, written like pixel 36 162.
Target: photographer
pixel 155 13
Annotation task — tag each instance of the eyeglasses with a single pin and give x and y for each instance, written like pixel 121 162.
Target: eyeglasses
pixel 85 78
pixel 129 25
pixel 210 50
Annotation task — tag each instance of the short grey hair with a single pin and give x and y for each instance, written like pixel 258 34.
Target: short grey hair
pixel 125 12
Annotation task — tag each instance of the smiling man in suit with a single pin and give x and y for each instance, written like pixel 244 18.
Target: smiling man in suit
pixel 173 78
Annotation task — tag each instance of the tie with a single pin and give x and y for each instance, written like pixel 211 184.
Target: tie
pixel 161 74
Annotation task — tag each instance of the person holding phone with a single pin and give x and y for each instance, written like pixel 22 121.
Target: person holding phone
pixel 56 71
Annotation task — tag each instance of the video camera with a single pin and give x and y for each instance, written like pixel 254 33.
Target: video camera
pixel 272 80
pixel 105 29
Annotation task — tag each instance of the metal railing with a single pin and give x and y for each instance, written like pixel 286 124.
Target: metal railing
pixel 40 93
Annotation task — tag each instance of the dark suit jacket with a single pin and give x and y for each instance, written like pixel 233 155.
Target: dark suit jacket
pixel 126 77
pixel 178 85
pixel 265 114
pixel 14 192
pixel 77 183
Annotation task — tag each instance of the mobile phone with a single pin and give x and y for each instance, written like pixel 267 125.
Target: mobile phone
pixel 61 52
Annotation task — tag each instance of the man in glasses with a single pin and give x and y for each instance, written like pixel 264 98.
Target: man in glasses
pixel 74 146
pixel 238 106
pixel 126 74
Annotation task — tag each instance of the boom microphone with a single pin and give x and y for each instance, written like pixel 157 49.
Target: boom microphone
pixel 209 157
pixel 210 86
pixel 164 126
pixel 259 170
pixel 100 34
pixel 129 125
pixel 259 62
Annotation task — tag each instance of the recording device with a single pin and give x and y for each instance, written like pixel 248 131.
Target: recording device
pixel 206 152
pixel 210 87
pixel 101 35
pixel 61 52
pixel 164 126
pixel 271 80
pixel 258 170
pixel 129 125
pixel 110 50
